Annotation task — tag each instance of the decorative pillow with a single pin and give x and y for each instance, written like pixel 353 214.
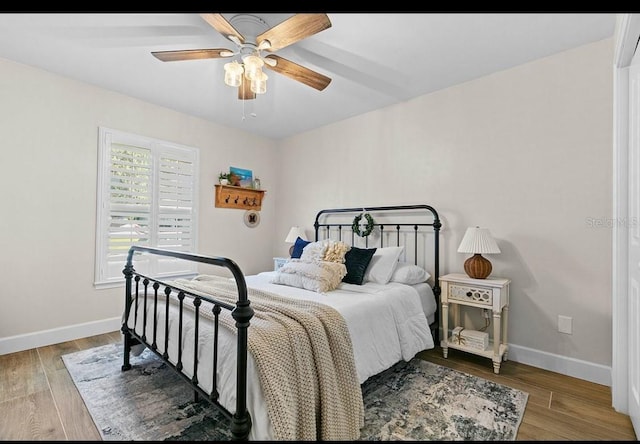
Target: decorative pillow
pixel 298 246
pixel 314 251
pixel 357 260
pixel 383 264
pixel 336 251
pixel 409 274
pixel 318 276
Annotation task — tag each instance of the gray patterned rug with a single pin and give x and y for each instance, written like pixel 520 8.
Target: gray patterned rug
pixel 417 400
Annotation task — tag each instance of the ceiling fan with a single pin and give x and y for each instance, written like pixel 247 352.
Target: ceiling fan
pixel 255 38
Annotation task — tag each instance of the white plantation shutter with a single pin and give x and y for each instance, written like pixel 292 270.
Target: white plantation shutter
pixel 174 222
pixel 147 195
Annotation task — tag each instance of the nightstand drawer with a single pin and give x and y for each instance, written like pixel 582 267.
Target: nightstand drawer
pixel 279 262
pixel 465 293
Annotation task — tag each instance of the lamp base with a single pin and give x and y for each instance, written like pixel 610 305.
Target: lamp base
pixel 477 267
pixel 291 250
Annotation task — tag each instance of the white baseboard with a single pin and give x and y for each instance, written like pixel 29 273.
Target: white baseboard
pixel 597 373
pixel 589 371
pixel 43 338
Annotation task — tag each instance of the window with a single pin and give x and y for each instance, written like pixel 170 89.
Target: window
pixel 147 195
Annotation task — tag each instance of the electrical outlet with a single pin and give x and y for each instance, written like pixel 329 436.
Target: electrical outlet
pixel 565 324
pixel 486 313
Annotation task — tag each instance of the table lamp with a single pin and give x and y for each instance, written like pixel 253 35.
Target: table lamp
pixel 478 241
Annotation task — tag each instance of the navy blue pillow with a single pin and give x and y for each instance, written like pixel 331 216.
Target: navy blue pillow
pixel 298 246
pixel 357 260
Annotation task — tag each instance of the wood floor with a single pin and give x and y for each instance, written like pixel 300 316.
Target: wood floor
pixel 38 400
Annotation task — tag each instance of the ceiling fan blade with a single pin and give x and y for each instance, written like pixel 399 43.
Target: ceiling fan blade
pixel 192 54
pixel 298 72
pixel 294 29
pixel 244 90
pixel 223 26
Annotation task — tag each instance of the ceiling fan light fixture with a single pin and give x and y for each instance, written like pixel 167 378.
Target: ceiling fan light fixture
pixel 245 73
pixel 252 66
pixel 233 74
pixel 259 83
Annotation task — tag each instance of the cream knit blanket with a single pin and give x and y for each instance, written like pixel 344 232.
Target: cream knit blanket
pixel 305 361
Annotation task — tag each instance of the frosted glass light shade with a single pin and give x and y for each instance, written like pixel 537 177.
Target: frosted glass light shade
pixel 294 233
pixel 478 240
pixel 252 66
pixel 259 83
pixel 233 73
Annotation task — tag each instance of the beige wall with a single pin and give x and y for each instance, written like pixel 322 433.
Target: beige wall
pixel 49 127
pixel 525 152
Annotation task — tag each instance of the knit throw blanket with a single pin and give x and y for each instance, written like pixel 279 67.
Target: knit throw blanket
pixel 305 361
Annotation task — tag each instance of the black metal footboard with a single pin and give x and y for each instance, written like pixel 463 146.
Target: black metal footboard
pixel 138 287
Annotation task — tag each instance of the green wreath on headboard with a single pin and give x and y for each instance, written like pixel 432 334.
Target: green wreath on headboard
pixel 355 226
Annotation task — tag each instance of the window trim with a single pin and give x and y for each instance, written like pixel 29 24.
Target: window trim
pixel 106 137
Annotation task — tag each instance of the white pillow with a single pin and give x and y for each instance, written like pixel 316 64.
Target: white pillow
pixel 314 251
pixel 409 274
pixel 318 276
pixel 383 264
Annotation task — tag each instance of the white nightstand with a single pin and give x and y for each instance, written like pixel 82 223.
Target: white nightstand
pixel 491 294
pixel 279 262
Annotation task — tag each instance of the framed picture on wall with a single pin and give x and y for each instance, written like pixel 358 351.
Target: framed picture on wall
pixel 245 176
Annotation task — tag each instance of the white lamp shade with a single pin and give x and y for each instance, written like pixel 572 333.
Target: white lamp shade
pixel 478 240
pixel 295 233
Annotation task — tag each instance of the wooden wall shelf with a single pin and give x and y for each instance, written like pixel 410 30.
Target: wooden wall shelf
pixel 241 198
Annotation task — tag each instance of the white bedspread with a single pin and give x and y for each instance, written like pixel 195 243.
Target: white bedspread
pixel 387 324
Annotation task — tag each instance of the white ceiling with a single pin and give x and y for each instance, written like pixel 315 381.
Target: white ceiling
pixel 374 59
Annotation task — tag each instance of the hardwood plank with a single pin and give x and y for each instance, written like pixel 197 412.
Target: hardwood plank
pixel 116 336
pixel 51 355
pixel 31 418
pixel 529 432
pixel 569 427
pixel 562 383
pixel 75 417
pixel 73 413
pixel 94 341
pixel 605 416
pixel 21 374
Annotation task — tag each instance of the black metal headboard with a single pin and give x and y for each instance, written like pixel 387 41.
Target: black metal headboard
pixel 392 225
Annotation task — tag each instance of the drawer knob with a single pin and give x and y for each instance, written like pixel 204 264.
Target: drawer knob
pixel 469 293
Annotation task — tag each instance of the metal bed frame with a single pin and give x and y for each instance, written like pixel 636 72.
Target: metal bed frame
pixel 140 286
pixel 388 229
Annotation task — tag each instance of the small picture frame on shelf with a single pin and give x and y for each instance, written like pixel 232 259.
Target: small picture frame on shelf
pixel 244 177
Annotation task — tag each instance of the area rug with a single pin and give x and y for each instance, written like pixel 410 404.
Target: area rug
pixel 415 400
